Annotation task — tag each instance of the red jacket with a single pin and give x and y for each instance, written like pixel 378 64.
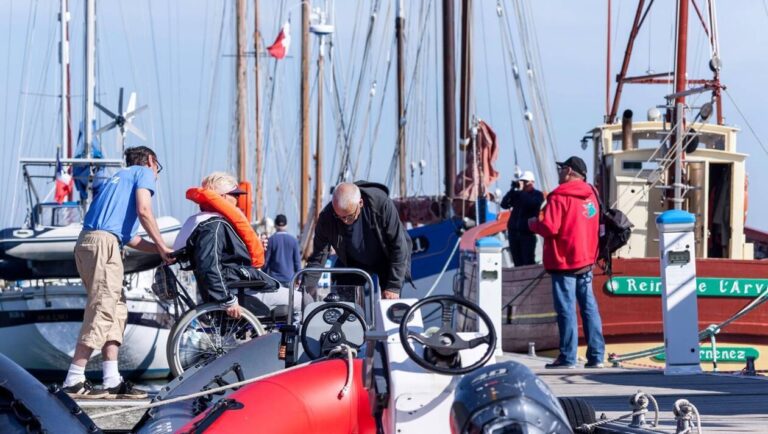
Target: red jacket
pixel 569 225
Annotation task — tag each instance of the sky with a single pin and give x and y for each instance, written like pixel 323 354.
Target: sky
pixel 178 56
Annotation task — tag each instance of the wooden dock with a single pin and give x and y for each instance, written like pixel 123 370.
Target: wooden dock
pixel 727 403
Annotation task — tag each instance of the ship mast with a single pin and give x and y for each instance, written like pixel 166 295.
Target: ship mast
pixel 259 205
pixel 240 79
pixel 90 79
pixel 305 134
pixel 679 108
pixel 400 30
pixel 449 104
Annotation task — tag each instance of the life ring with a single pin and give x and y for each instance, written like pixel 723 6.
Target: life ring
pixel 210 200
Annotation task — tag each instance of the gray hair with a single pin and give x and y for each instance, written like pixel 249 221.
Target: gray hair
pixel 346 195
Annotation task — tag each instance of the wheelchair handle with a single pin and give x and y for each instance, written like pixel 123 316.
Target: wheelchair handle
pixel 181 253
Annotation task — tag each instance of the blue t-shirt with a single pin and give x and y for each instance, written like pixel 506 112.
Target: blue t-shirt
pixel 114 208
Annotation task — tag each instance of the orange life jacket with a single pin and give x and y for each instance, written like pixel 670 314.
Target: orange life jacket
pixel 209 200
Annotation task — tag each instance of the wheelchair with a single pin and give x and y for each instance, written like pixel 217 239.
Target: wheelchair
pixel 205 331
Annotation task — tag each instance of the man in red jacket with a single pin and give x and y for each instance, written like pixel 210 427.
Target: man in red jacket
pixel 569 224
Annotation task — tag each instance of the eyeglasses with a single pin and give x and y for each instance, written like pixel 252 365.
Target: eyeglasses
pixel 349 218
pixel 159 167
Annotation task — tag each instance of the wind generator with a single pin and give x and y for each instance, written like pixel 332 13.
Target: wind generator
pixel 123 120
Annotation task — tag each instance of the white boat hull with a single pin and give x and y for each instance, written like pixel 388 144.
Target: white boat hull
pixel 48 252
pixel 39 326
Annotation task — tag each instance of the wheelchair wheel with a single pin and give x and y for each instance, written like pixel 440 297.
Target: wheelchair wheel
pixel 207 332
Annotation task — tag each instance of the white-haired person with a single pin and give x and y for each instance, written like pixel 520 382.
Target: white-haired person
pixel 362 226
pixel 219 255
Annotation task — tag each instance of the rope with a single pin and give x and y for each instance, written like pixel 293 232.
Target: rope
pixel 338 350
pixel 351 353
pixel 445 267
pixel 752 130
pixel 589 427
pixel 682 410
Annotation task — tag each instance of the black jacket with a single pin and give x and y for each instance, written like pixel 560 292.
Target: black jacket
pixel 219 257
pixel 394 240
pixel 524 205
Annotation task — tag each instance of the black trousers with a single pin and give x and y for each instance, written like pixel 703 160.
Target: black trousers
pixel 522 246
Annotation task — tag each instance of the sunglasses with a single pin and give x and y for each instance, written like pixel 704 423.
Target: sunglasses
pixel 159 167
pixel 349 218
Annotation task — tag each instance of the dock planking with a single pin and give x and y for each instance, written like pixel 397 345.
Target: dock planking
pixel 727 403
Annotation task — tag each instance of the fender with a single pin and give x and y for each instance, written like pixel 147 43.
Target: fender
pixel 211 201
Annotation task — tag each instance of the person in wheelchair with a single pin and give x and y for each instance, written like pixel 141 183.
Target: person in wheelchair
pixel 215 242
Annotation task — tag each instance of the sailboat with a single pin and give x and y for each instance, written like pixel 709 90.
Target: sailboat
pixel 42 301
pixel 635 171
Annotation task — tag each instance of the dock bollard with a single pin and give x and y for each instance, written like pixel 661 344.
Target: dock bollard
pixel 532 349
pixel 639 403
pixel 750 368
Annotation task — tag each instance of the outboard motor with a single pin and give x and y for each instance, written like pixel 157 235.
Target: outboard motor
pixel 506 398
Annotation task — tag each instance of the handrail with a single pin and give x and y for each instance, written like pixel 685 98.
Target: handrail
pixel 484 230
pixel 374 290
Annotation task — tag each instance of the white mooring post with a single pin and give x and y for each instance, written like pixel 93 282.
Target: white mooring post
pixel 489 283
pixel 677 259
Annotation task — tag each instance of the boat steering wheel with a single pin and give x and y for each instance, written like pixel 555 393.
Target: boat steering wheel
pixel 335 336
pixel 446 343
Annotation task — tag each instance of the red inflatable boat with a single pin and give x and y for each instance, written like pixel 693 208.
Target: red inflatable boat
pixel 305 400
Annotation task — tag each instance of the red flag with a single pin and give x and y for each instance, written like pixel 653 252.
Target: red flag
pixel 279 48
pixel 64 182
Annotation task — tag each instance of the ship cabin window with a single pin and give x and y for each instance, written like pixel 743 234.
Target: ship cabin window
pixel 57 215
pixel 653 139
pixel 641 139
pixel 644 168
pixel 712 141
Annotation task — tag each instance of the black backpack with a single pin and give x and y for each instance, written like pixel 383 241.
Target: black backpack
pixel 615 230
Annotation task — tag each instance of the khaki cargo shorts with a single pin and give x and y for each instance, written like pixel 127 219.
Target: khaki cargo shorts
pixel 100 264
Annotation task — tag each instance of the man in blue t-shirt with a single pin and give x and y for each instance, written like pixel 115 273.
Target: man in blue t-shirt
pixel 282 259
pixel 110 224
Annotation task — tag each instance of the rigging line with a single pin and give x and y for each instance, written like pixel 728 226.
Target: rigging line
pixel 417 67
pixel 32 23
pixel 208 131
pixel 507 80
pixel 38 106
pixel 203 50
pixel 9 38
pixel 532 81
pixel 375 139
pixel 749 125
pixel 413 87
pixel 346 155
pixel 371 96
pixel 341 128
pixel 511 54
pixel 438 133
pixel 535 112
pixel 350 65
pixel 157 73
pixel 342 138
pixel 542 89
pixel 483 29
pixel 269 102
